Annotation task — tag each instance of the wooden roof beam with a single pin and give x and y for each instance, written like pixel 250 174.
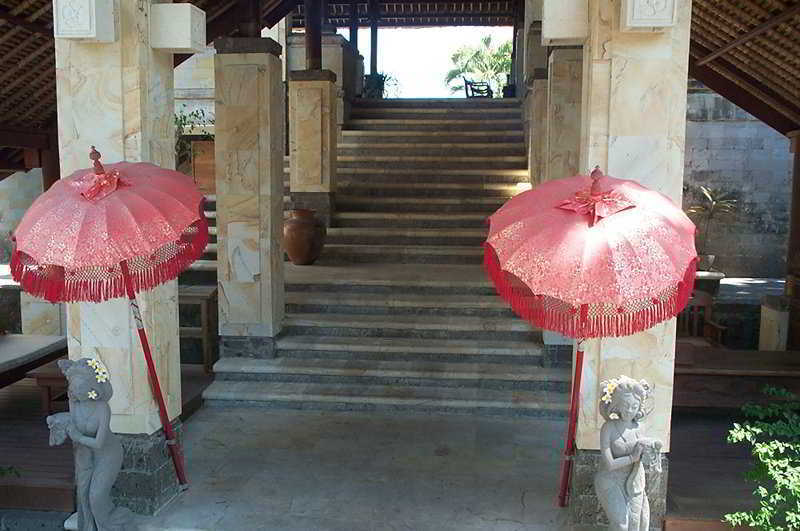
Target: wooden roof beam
pixel 23 138
pixel 758 30
pixel 33 27
pixel 7 165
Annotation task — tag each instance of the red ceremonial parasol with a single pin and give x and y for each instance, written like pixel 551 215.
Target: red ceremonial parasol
pixel 588 257
pixel 103 233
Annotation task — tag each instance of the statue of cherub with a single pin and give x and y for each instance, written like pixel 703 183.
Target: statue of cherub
pixel 98 451
pixel 620 480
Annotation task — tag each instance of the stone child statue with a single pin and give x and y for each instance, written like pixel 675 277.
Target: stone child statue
pixel 98 451
pixel 620 480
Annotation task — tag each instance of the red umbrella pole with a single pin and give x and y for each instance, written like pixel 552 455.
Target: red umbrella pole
pixel 569 444
pixel 172 443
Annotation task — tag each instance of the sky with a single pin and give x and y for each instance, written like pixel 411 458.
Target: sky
pixel 419 58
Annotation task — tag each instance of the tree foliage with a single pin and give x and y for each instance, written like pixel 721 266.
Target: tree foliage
pixel 484 62
pixel 773 433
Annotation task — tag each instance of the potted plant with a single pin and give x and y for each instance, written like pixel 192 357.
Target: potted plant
pixel 379 85
pixel 194 147
pixel 712 203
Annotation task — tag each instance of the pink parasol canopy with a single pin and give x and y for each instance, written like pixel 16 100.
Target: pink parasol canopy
pixel 109 232
pixel 72 240
pixel 591 256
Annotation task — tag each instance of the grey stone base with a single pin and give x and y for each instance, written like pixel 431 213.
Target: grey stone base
pixel 147 481
pixel 246 347
pixel 322 202
pixel 584 507
pixel 18 520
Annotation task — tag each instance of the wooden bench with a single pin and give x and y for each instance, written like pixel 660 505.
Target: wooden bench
pixel 206 298
pixel 719 378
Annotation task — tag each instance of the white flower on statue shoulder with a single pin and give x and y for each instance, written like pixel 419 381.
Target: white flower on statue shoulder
pixel 92 394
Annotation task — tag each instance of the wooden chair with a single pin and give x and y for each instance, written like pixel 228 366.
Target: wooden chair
pixel 695 323
pixel 477 89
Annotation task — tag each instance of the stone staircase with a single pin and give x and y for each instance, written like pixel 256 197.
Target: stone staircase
pixel 398 314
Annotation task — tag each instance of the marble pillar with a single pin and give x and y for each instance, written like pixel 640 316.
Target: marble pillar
pixel 534 91
pixel 312 141
pixel 536 103
pixel 248 149
pixel 118 96
pixel 562 149
pixel 340 57
pixel 633 117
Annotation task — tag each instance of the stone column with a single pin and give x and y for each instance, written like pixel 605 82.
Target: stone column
pixel 793 252
pixel 118 96
pixel 633 126
pixel 534 92
pixel 562 148
pixel 248 149
pixel 312 141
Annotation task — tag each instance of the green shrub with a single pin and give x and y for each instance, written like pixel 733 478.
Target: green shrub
pixel 773 433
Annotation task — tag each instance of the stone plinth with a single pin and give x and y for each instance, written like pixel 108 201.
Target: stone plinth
pixel 248 148
pixel 563 113
pixel 147 479
pixel 313 140
pixel 584 507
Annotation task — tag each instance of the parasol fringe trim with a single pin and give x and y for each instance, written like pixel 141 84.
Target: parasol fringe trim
pixel 580 323
pixel 40 281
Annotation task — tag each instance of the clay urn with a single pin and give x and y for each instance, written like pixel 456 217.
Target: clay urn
pixel 303 236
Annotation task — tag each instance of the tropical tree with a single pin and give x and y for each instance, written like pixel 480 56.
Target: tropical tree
pixel 480 63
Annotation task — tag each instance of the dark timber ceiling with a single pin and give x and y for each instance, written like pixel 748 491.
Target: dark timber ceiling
pixel 747 50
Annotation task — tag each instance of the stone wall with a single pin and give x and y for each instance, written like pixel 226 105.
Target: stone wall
pixel 17 192
pixel 728 149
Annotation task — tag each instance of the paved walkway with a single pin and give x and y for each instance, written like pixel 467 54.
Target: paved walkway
pixel 255 469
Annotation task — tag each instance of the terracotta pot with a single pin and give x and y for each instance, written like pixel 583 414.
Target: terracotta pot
pixel 303 236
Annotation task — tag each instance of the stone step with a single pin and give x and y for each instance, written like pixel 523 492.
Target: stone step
pixel 433 138
pixel 400 373
pixel 401 254
pixel 360 113
pixel 430 279
pixel 500 149
pixel 411 326
pixel 407 220
pixel 448 103
pixel 439 111
pixel 418 350
pixel 404 173
pixel 427 189
pixel 432 124
pixel 435 162
pixel 467 205
pixel 403 236
pixel 437 400
pixel 396 304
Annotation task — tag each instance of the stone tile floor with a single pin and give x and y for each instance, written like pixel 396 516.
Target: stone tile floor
pixel 252 469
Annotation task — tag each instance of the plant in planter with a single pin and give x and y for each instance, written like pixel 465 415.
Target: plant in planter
pixel 197 119
pixel 773 433
pixel 380 85
pixel 713 203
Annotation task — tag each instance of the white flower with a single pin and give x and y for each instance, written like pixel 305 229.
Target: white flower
pixel 92 394
pixel 613 416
